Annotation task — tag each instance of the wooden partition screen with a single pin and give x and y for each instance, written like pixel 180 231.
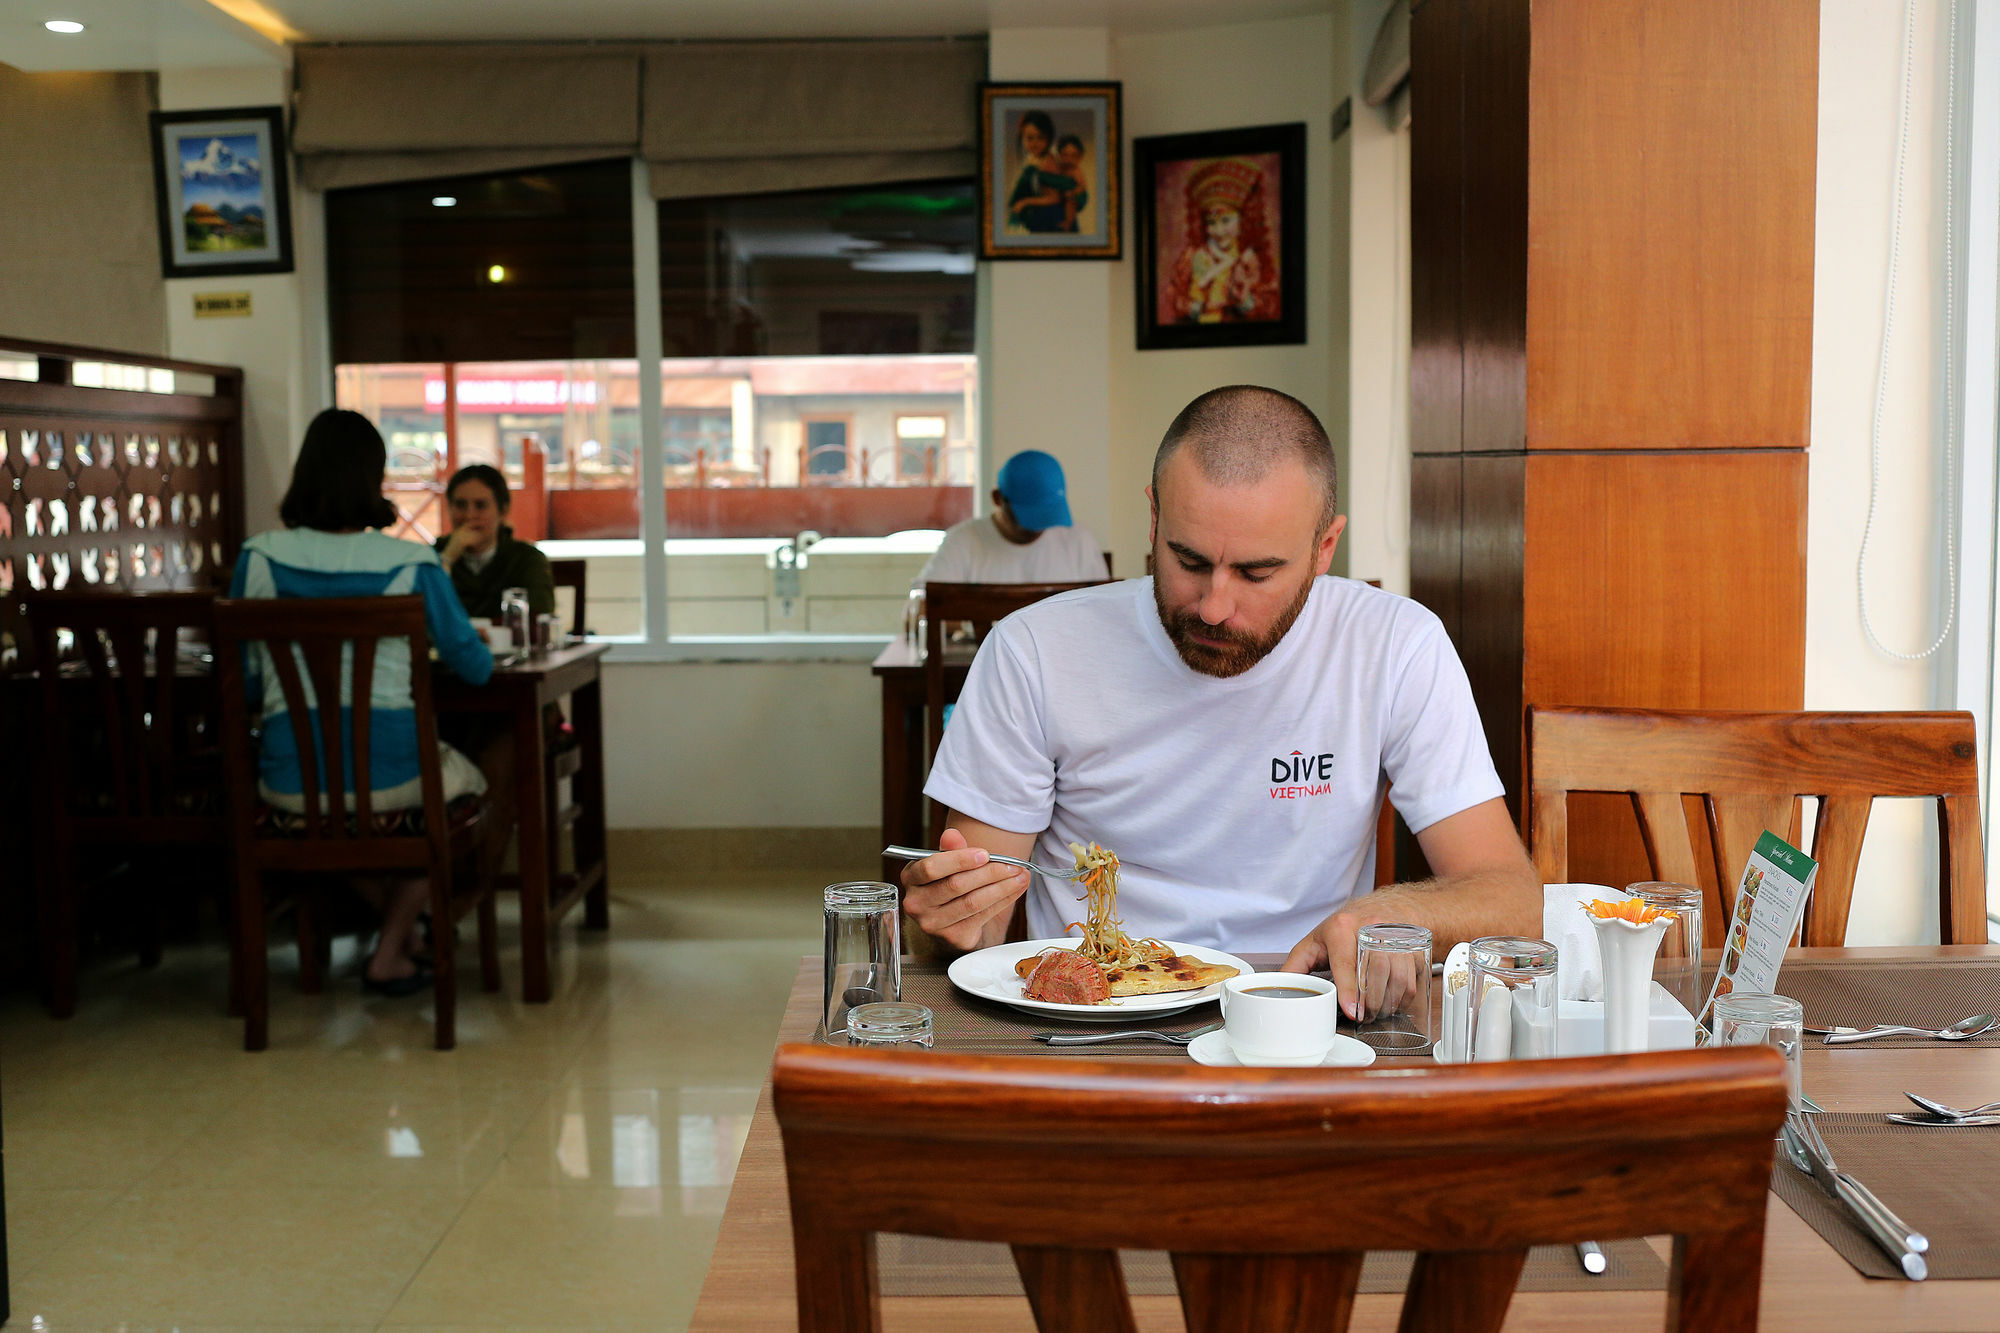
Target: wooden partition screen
pixel 1612 208
pixel 110 488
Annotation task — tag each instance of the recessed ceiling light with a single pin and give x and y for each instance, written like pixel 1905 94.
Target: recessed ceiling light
pixel 63 25
pixel 498 273
pixel 444 201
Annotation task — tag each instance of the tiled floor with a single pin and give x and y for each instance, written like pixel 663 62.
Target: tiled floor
pixel 565 1167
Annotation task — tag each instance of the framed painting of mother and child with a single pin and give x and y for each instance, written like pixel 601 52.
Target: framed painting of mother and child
pixel 1049 171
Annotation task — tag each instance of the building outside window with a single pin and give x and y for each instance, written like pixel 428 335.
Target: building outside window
pixel 818 379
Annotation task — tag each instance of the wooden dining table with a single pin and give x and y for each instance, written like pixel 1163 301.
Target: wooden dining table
pixel 1808 1287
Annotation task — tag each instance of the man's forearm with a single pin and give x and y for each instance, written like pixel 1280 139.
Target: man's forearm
pixel 1504 901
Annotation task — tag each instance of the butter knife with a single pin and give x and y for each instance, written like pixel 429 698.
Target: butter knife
pixel 1094 1038
pixel 1889 1232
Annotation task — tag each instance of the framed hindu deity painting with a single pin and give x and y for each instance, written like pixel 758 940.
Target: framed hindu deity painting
pixel 1221 237
pixel 1049 171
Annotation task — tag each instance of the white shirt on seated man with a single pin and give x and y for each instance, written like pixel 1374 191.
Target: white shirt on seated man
pixel 1228 727
pixel 1028 538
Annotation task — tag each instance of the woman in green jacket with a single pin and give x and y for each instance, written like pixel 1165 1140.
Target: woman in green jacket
pixel 481 554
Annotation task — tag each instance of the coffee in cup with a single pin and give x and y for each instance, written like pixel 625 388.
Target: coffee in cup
pixel 1280 1018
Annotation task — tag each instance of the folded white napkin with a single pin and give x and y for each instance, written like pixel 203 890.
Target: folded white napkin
pixel 1579 969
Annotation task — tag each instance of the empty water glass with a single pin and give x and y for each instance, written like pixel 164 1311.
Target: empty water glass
pixel 889 1025
pixel 1677 966
pixel 1392 965
pixel 1750 1019
pixel 1513 999
pixel 863 954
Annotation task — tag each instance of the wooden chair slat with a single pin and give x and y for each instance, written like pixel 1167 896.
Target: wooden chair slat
pixel 1837 834
pixel 1075 1291
pixel 361 690
pixel 1267 1293
pixel 323 661
pixel 1461 1293
pixel 284 664
pixel 1751 769
pixel 1471 1163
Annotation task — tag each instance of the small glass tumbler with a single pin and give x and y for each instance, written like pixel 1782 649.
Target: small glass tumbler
pixel 1750 1019
pixel 913 621
pixel 516 618
pixel 1393 965
pixel 889 1025
pixel 548 632
pixel 864 952
pixel 1513 999
pixel 1677 966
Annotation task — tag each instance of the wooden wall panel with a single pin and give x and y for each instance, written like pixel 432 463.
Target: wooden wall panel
pixel 1492 591
pixel 1671 209
pixel 1437 538
pixel 1666 580
pixel 1437 216
pixel 1495 282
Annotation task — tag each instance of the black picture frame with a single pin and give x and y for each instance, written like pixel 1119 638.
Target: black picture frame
pixel 239 181
pixel 1224 166
pixel 1086 219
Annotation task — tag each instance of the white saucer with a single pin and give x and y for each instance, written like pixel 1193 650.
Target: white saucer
pixel 1213 1048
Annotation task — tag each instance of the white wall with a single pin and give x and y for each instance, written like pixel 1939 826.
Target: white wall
pixel 279 344
pixel 1214 79
pixel 1860 73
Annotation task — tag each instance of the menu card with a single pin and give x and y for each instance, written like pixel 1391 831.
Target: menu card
pixel 1770 900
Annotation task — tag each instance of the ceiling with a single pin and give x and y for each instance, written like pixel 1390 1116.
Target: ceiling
pixel 154 34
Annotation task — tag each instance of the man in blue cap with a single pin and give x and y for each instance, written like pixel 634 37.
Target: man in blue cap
pixel 1028 538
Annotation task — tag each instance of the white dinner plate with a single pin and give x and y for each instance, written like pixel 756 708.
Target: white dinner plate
pixel 1213 1048
pixel 989 974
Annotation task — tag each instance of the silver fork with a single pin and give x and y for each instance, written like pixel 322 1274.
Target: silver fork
pixel 919 853
pixel 1892 1233
pixel 1093 1038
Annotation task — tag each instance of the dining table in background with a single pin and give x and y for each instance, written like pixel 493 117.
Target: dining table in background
pixel 522 689
pixel 1808 1286
pixel 905 756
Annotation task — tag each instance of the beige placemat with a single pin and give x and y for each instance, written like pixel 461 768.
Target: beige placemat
pixel 1862 993
pixel 928 1266
pixel 1940 1181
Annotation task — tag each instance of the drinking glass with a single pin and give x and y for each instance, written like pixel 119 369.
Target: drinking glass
pixel 1393 965
pixel 889 1025
pixel 1750 1019
pixel 1677 966
pixel 913 621
pixel 1513 999
pixel 515 616
pixel 863 955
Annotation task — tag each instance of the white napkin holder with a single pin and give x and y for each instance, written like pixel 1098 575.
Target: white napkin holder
pixel 1579 1025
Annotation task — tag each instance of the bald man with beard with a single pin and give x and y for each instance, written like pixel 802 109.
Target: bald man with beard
pixel 1229 727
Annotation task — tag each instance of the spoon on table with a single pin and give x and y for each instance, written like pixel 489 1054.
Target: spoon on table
pixel 919 853
pixel 1943 1112
pixel 1963 1029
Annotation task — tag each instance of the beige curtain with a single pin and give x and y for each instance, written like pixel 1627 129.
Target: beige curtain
pixel 708 117
pixel 755 117
pixel 372 115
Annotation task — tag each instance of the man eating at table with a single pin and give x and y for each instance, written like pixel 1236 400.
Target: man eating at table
pixel 1228 727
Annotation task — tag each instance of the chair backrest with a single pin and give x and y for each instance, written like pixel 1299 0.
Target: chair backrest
pixel 332 639
pixel 1268 1186
pixel 980 605
pixel 574 575
pixel 127 646
pixel 1747 772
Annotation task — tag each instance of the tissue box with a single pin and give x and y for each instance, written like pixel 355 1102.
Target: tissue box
pixel 1580 1025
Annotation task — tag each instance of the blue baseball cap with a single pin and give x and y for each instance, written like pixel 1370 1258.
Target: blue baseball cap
pixel 1032 483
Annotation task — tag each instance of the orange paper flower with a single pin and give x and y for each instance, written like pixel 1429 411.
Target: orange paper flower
pixel 1634 910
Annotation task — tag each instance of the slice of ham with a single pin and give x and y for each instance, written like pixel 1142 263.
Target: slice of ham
pixel 1066 977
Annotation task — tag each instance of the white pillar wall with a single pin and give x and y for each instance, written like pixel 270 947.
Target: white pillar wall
pixel 1046 356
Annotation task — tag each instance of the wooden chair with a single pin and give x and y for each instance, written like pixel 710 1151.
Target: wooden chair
pixel 980 605
pixel 338 639
pixel 574 575
pixel 1268 1186
pixel 1748 772
pixel 141 772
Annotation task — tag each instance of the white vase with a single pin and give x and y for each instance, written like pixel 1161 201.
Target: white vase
pixel 1627 953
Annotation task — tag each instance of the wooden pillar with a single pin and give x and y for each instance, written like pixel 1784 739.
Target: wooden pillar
pixel 1612 264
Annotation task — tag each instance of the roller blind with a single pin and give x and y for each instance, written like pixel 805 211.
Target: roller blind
pixel 711 118
pixel 372 115
pixel 727 118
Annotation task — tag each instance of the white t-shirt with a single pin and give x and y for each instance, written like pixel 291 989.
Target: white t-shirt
pixel 975 552
pixel 1243 810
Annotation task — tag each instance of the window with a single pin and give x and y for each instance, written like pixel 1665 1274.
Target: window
pixel 817 379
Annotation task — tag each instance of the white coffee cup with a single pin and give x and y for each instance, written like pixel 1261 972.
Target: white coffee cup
pixel 1276 1027
pixel 500 639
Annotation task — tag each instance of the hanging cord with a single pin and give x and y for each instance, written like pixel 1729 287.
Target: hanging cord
pixel 1950 341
